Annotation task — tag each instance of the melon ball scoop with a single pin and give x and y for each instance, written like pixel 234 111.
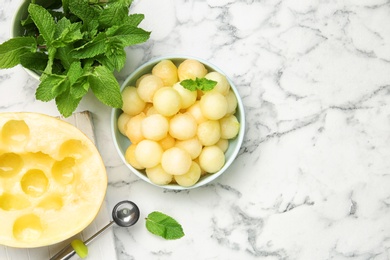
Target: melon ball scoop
pixel 124 214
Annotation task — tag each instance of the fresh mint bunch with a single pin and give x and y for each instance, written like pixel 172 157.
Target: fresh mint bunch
pixel 75 49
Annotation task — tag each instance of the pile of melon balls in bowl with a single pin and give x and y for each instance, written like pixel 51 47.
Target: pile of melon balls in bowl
pixel 182 122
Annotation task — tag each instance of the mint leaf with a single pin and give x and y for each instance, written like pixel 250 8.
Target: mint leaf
pixel 75 71
pixel 133 19
pixel 34 61
pixel 66 103
pixel 189 84
pixel 206 84
pixel 11 50
pixel 163 225
pixel 105 87
pixel 67 32
pixel 50 87
pixel 87 13
pixel 63 55
pixel 92 48
pixel 79 88
pixel 113 61
pixel 198 84
pixel 128 35
pixel 43 20
pixel 114 14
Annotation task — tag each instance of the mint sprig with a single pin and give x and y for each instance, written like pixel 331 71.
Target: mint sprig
pixel 75 50
pixel 163 225
pixel 199 84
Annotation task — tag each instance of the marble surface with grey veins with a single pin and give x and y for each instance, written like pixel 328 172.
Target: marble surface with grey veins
pixel 312 179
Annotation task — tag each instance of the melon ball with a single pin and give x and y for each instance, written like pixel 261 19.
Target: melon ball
pixel 166 70
pixel 154 127
pixel 222 86
pixel 196 112
pixel 229 127
pixel 189 178
pixel 148 153
pixel 188 97
pixel 167 142
pixel 192 146
pixel 140 78
pixel 202 171
pixel 213 105
pixel 130 157
pixel 182 126
pixel 211 159
pixel 232 102
pixel 148 86
pixel 158 176
pixel 176 161
pixel 167 101
pixel 223 144
pixel 134 130
pixel 191 69
pixel 151 111
pixel 132 102
pixel 209 132
pixel 122 122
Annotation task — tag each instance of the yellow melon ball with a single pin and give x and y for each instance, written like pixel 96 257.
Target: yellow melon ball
pixel 176 161
pixel 223 144
pixel 148 86
pixel 158 176
pixel 192 146
pixel 213 105
pixel 154 127
pixel 140 78
pixel 211 159
pixel 151 111
pixel 209 132
pixel 191 69
pixel 189 178
pixel 182 126
pixel 232 103
pixel 229 127
pixel 132 103
pixel 134 130
pixel 148 153
pixel 222 86
pixel 188 97
pixel 167 101
pixel 202 171
pixel 167 142
pixel 196 112
pixel 130 157
pixel 122 122
pixel 167 71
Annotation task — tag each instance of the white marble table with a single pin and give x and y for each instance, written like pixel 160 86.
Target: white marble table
pixel 312 180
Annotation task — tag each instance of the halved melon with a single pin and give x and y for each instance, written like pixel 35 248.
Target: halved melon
pixel 52 180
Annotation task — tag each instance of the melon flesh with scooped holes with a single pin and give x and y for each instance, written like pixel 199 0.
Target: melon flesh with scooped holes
pixel 52 180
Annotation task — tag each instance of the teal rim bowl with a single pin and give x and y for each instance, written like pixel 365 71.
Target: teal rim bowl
pixel 121 142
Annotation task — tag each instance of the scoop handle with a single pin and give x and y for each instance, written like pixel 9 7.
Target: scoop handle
pixel 68 251
pixel 64 254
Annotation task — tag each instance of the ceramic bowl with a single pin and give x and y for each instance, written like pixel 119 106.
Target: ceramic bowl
pixel 121 142
pixel 18 30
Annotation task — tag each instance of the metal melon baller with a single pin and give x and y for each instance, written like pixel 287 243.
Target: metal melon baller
pixel 124 214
